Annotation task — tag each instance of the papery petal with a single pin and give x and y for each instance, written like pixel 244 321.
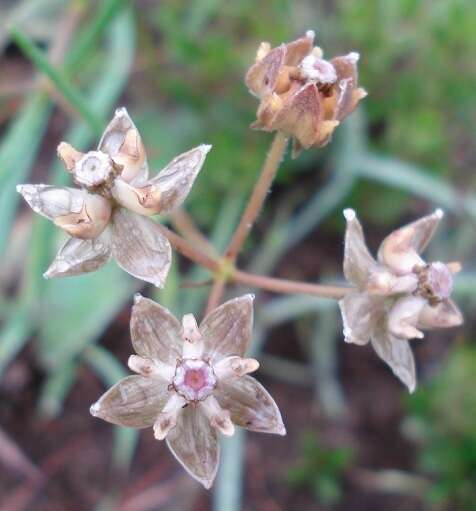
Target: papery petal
pixel 360 313
pixel 358 262
pixel 139 247
pixel 78 256
pixel 122 142
pixel 400 250
pixel 397 354
pixel 346 86
pixel 444 315
pixel 156 333
pixel 194 443
pixel 135 401
pixel 227 329
pixel 250 405
pixel 175 181
pixel 52 201
pixel 403 317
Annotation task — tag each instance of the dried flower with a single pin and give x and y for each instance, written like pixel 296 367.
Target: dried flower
pixel 107 214
pixel 397 295
pixel 302 94
pixel 192 382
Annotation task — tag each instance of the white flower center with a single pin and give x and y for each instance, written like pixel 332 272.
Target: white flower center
pixel 318 69
pixel 93 169
pixel 440 280
pixel 194 379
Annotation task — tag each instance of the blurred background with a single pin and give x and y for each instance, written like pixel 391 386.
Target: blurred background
pixel 356 440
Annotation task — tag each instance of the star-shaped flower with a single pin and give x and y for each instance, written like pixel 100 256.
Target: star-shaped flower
pixel 107 214
pixel 397 295
pixel 192 382
pixel 301 94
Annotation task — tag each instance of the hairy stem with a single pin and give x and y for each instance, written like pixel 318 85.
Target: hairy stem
pixel 290 286
pixel 268 172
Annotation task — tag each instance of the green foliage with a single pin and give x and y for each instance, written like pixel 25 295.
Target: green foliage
pixel 320 469
pixel 445 412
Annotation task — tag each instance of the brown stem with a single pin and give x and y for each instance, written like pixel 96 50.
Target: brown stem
pixel 258 196
pixel 185 225
pixel 189 251
pixel 290 286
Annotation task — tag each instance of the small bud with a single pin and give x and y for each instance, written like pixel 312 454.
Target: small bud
pixel 69 155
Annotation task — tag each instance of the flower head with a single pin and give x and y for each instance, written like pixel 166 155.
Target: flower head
pixel 192 382
pixel 302 94
pixel 107 214
pixel 397 295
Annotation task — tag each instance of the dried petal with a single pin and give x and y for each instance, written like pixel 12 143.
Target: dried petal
pixel 403 317
pixel 140 248
pixel 134 401
pixel 445 314
pixel 360 313
pixel 358 262
pixel 122 142
pixel 250 405
pixel 400 250
pixel 194 443
pixel 227 329
pixel 156 333
pixel 78 256
pixel 397 354
pixel 175 181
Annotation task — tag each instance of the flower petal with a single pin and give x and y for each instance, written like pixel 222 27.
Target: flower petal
pixel 194 443
pixel 140 248
pixel 122 142
pixel 403 317
pixel 400 250
pixel 227 329
pixel 250 405
pixel 444 315
pixel 156 333
pixel 358 262
pixel 135 401
pixel 52 201
pixel 397 354
pixel 360 313
pixel 175 181
pixel 78 256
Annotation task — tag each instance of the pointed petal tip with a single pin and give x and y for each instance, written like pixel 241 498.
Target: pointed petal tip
pixel 310 34
pixel 354 56
pixel 120 112
pixel 349 214
pixel 137 298
pixel 95 409
pixel 205 147
pixel 439 213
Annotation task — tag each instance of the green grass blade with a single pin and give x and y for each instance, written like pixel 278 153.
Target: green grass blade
pixel 55 390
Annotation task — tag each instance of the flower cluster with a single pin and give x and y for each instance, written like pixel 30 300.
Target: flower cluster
pixel 107 214
pixel 192 382
pixel 397 295
pixel 301 94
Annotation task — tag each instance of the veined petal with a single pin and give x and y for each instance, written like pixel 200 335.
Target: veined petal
pixel 156 333
pixel 358 262
pixel 78 256
pixel 360 313
pixel 135 401
pixel 400 250
pixel 122 142
pixel 193 441
pixel 140 248
pixel 175 181
pixel 52 201
pixel 444 315
pixel 250 405
pixel 397 354
pixel 227 329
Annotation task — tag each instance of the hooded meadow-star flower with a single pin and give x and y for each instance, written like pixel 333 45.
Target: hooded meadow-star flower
pixel 192 382
pixel 301 94
pixel 107 215
pixel 397 295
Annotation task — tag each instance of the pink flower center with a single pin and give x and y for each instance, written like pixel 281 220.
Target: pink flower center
pixel 440 280
pixel 194 379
